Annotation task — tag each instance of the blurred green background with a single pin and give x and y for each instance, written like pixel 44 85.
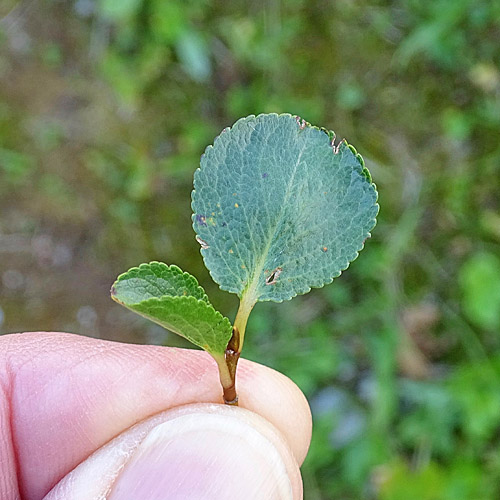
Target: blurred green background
pixel 105 109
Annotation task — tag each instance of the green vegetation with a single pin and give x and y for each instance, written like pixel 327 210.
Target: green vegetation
pixel 105 108
pixel 278 208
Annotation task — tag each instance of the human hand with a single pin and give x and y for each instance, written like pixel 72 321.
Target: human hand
pixel 138 422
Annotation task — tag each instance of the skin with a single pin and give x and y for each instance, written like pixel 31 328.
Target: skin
pixel 113 408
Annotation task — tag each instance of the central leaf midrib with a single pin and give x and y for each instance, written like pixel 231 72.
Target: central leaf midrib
pixel 254 281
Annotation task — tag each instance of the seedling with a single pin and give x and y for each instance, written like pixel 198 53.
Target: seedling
pixel 278 208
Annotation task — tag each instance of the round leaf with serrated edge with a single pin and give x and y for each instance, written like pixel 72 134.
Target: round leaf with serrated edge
pixel 156 279
pixel 279 208
pixel 173 299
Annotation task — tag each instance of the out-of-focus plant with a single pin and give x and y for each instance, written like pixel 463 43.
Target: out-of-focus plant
pixel 99 94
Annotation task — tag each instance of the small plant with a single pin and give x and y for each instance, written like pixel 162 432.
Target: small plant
pixel 278 208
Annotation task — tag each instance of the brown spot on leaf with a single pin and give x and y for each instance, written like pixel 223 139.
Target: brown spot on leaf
pixel 273 277
pixel 336 147
pixel 301 122
pixel 203 243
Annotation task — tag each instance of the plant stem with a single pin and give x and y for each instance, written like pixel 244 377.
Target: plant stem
pixel 226 380
pixel 233 351
pixel 231 358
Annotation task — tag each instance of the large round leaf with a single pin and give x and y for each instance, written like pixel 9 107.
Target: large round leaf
pixel 278 208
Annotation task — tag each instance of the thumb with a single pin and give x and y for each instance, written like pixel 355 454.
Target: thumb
pixel 201 451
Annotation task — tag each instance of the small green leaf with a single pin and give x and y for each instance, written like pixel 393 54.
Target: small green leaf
pixel 174 300
pixel 279 208
pixel 156 279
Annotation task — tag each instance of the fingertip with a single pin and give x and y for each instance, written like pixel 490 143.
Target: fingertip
pixel 195 451
pixel 278 399
pixel 65 381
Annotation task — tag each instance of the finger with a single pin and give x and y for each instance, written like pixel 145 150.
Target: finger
pixel 196 451
pixel 68 395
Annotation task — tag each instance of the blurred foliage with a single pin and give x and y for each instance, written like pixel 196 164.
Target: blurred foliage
pixel 105 108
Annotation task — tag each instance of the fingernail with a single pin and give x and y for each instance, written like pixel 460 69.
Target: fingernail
pixel 204 456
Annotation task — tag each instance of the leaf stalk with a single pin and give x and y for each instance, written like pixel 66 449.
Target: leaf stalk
pixel 240 323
